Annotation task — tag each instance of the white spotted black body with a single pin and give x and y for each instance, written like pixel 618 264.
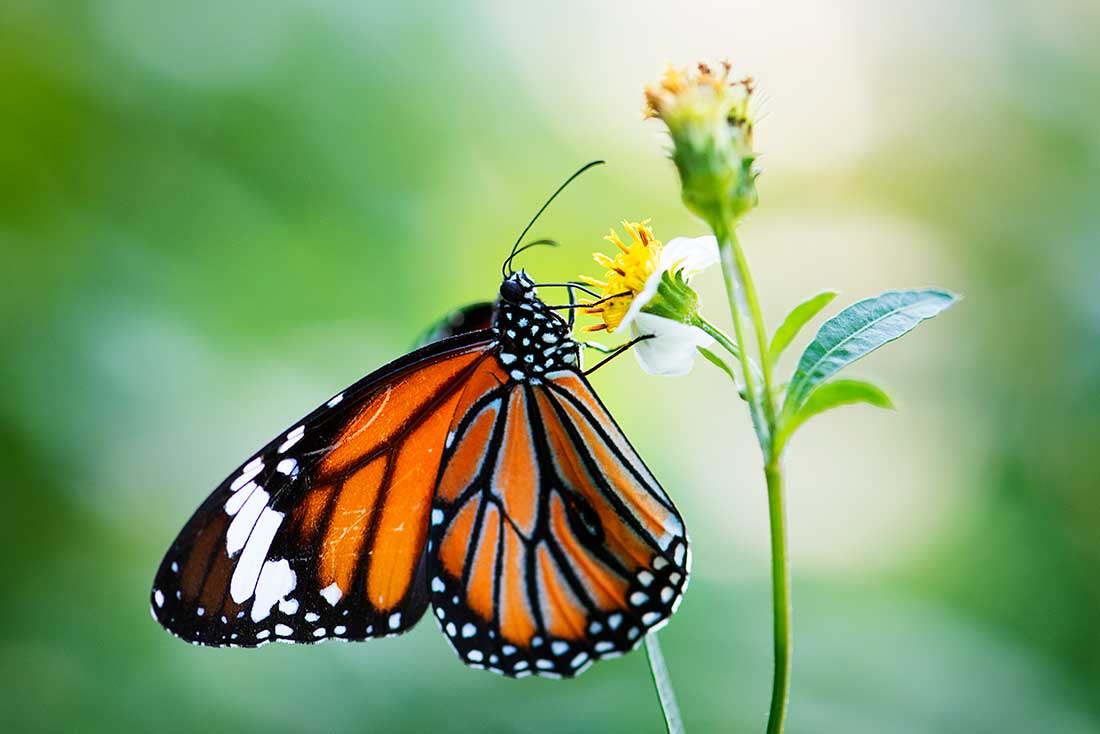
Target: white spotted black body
pixel 533 340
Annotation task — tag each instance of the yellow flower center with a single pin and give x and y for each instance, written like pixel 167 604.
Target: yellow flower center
pixel 626 274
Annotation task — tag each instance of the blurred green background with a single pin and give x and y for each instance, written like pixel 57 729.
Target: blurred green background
pixel 215 214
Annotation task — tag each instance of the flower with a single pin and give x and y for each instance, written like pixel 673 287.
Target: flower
pixel 647 289
pixel 710 120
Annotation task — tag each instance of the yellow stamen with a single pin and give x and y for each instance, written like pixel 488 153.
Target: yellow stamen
pixel 626 274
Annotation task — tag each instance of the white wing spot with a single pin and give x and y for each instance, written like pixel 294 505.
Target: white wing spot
pixel 283 630
pixel 312 617
pixel 158 597
pixel 650 618
pixel 468 630
pixel 244 521
pixel 292 438
pixel 638 598
pixel 437 584
pixel 276 581
pixel 250 470
pixel 395 620
pixel 263 634
pixel 437 516
pixel 558 647
pixel 332 593
pixel 666 594
pixel 475 655
pixel 234 504
pixel 645 578
pixel 251 562
pixel 335 401
pixel 288 606
pixel 288 467
pixel 604 646
pixel 614 621
pixel 339 629
pixel 319 632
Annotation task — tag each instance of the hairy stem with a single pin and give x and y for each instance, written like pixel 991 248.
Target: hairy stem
pixel 739 280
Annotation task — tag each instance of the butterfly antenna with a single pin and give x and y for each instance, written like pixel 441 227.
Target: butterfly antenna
pixel 508 263
pixel 504 268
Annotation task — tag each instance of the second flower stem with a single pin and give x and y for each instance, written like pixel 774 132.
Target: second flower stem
pixel 738 279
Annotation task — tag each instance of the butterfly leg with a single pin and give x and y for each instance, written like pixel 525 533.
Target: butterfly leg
pixel 613 352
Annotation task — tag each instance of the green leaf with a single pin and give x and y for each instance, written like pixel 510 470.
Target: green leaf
pixel 718 362
pixel 833 395
pixel 796 319
pixel 856 332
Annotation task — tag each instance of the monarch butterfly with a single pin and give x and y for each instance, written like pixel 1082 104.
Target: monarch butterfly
pixel 479 474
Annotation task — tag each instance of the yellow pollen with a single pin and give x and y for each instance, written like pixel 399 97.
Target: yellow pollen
pixel 626 274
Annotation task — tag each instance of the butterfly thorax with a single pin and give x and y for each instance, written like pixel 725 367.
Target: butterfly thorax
pixel 533 339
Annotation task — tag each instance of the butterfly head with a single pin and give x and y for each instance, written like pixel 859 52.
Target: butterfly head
pixel 533 339
pixel 518 288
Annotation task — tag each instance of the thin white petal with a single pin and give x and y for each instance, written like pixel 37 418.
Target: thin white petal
pixel 671 353
pixel 644 296
pixel 690 254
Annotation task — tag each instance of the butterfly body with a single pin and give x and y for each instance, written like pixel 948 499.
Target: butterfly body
pixel 479 475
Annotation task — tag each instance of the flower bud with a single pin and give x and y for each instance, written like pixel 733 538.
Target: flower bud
pixel 709 119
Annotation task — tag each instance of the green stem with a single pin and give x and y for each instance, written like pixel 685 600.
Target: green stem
pixel 735 269
pixel 663 683
pixel 757 326
pixel 726 343
pixel 730 272
pixel 781 597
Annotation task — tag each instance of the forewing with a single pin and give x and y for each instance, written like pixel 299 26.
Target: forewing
pixel 552 545
pixel 322 533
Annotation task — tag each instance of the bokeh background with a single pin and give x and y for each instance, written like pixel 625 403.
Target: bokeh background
pixel 213 215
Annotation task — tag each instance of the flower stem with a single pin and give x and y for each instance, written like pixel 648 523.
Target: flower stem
pixel 663 683
pixel 726 343
pixel 781 597
pixel 735 269
pixel 731 273
pixel 768 398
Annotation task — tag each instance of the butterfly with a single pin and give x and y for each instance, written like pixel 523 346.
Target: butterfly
pixel 479 475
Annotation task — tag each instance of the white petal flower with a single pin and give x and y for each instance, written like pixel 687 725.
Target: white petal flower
pixel 692 255
pixel 647 289
pixel 671 352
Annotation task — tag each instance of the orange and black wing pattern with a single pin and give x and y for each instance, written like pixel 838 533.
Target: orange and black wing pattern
pixel 552 545
pixel 322 533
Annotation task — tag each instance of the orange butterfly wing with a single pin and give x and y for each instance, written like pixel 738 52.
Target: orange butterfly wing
pixel 322 533
pixel 552 544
